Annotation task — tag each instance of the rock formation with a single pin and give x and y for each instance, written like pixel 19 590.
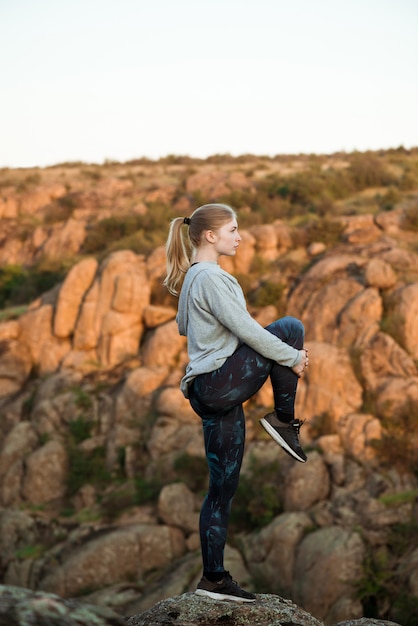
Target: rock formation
pixel 91 417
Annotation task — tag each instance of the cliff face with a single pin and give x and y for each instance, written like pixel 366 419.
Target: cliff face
pixel 92 421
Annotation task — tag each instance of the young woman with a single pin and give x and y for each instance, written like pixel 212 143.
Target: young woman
pixel 230 357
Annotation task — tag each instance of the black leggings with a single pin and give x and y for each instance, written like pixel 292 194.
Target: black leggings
pixel 217 398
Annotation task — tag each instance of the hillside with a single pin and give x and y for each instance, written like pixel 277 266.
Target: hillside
pixel 102 468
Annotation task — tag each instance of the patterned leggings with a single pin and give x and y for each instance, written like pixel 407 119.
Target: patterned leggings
pixel 217 398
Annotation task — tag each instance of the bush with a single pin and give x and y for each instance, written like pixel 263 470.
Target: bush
pixel 368 170
pixel 140 233
pixel 268 293
pixel 21 286
pixel 257 501
pixel 86 467
pixel 383 584
pixel 398 445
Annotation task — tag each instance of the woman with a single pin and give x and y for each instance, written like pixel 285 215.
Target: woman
pixel 230 357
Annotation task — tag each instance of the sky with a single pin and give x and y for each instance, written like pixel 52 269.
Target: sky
pixel 97 80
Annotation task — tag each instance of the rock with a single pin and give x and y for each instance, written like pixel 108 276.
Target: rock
pixel 129 552
pixel 172 402
pixel 162 346
pixel 330 386
pixel 8 204
pixel 406 316
pixel 382 357
pixel 359 319
pixel 46 473
pixel 316 248
pixel 329 559
pixel 20 441
pixel 32 201
pixel 266 240
pixel 111 317
pixel 190 609
pixel 35 328
pixel 64 240
pixel 357 433
pixel 9 330
pixel 17 531
pixel 157 315
pixel 22 607
pixel 379 274
pixel 135 397
pixel 71 294
pixel 273 550
pixel 15 366
pixel 176 507
pixel 306 485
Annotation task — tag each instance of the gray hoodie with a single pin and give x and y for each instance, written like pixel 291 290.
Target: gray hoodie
pixel 212 313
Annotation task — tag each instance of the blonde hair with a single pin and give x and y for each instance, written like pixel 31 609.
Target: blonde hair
pixel 179 250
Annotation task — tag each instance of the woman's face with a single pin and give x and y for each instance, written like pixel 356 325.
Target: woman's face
pixel 227 238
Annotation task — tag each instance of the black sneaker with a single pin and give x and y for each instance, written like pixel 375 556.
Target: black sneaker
pixel 285 434
pixel 225 589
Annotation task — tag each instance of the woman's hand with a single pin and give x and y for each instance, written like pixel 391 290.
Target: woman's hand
pixel 303 363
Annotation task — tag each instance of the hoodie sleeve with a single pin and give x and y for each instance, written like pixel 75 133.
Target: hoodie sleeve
pixel 223 297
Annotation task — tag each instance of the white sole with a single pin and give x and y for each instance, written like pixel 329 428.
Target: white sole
pixel 278 439
pixel 221 596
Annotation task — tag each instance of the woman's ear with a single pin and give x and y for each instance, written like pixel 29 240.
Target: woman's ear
pixel 210 236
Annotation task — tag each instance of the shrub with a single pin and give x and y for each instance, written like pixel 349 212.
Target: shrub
pixel 368 170
pixel 398 445
pixel 86 467
pixel 193 471
pixel 21 286
pixel 410 219
pixel 146 490
pixel 257 500
pixel 382 584
pixel 268 293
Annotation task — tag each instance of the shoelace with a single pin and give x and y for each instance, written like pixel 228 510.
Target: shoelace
pixel 297 424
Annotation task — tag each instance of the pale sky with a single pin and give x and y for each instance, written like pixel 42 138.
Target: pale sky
pixel 90 80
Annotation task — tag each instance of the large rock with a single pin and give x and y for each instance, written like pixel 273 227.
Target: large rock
pixel 382 357
pixel 122 554
pixel 46 474
pixel 271 552
pixel 191 610
pixel 406 317
pixel 16 362
pixel 330 386
pixel 23 607
pixel 71 294
pixel 306 485
pixel 329 559
pixel 111 316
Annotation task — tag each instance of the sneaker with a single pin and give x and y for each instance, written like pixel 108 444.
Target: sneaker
pixel 225 589
pixel 285 434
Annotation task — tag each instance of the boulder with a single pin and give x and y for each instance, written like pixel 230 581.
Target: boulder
pixel 70 297
pixel 21 607
pixel 330 560
pixel 46 474
pixel 193 610
pixel 129 552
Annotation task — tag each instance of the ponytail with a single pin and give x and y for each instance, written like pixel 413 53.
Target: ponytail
pixel 179 250
pixel 178 256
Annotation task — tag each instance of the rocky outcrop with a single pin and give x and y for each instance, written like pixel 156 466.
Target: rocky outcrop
pixel 21 607
pixel 89 374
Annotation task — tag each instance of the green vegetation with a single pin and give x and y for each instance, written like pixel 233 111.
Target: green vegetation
pixel 397 446
pixel 257 500
pixel 20 286
pixel 193 471
pixel 382 584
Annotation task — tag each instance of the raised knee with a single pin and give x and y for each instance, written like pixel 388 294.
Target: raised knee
pixel 297 328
